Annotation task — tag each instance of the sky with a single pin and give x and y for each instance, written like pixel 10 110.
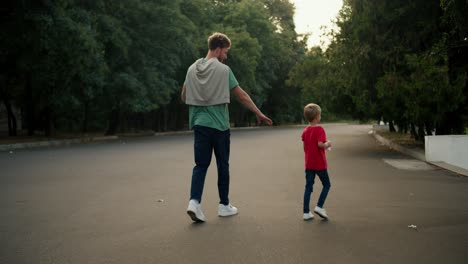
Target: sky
pixel 312 14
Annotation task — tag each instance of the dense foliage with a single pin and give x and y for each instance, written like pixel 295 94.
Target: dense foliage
pixel 115 66
pixel 111 66
pixel 403 62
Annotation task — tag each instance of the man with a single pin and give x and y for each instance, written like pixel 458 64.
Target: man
pixel 207 92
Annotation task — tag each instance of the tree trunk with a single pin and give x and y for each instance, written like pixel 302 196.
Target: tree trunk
pixel 429 127
pixel 29 107
pixel 421 133
pixel 84 127
pixel 12 127
pixel 164 117
pixel 114 120
pixel 391 126
pixel 413 131
pixel 50 124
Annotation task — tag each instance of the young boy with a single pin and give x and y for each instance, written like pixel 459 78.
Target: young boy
pixel 315 144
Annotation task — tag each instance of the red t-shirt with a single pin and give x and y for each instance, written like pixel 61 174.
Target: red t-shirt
pixel 315 158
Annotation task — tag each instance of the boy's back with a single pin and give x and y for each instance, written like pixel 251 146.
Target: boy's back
pixel 315 158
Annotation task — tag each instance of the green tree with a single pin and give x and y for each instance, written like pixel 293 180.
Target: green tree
pixel 105 65
pixel 391 60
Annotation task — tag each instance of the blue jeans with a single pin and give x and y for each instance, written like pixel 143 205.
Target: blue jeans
pixel 208 140
pixel 310 178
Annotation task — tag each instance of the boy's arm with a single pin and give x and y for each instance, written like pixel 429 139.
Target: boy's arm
pixel 324 145
pixel 322 139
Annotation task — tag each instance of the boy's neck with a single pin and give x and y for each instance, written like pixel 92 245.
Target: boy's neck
pixel 313 123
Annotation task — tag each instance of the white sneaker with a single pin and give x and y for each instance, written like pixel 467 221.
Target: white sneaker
pixel 308 216
pixel 321 212
pixel 195 212
pixel 226 210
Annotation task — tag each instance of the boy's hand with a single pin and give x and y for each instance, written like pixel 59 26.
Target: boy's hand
pixel 328 145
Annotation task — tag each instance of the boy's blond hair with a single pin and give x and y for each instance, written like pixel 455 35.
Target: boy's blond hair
pixel 311 111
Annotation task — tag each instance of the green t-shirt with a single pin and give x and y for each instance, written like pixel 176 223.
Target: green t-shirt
pixel 213 116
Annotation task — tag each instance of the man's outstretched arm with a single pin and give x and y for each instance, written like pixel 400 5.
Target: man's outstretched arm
pixel 244 98
pixel 182 94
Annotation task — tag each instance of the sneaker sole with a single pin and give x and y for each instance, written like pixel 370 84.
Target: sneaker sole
pixel 194 217
pixel 225 215
pixel 308 219
pixel 324 217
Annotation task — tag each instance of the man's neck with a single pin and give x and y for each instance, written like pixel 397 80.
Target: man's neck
pixel 210 55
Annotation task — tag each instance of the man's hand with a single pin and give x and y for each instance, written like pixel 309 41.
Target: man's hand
pixel 265 119
pixel 245 99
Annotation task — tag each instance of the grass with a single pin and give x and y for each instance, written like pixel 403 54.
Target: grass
pixel 401 139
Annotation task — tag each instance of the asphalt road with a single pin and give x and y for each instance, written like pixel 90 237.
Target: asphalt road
pixel 125 202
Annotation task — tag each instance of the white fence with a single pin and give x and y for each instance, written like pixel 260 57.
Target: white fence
pixel 452 149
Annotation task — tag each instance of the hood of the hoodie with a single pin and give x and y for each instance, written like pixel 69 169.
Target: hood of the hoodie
pixel 205 68
pixel 207 83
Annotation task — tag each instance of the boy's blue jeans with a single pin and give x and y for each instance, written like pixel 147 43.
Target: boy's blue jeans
pixel 310 179
pixel 208 140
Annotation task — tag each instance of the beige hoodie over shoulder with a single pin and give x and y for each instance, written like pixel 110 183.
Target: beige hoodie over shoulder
pixel 207 83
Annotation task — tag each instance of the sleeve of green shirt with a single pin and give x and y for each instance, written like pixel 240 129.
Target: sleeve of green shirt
pixel 232 80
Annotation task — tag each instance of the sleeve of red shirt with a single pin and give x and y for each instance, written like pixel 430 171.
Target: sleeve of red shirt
pixel 321 137
pixel 303 140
